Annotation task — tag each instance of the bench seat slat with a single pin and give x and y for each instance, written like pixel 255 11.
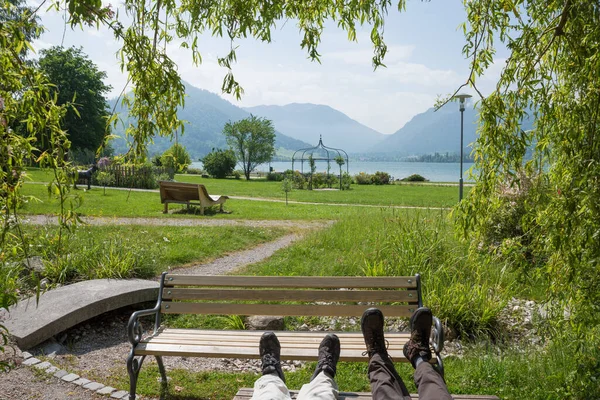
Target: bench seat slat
pixel 291 295
pixel 281 309
pixel 293 281
pixel 241 344
pixel 246 394
pixel 287 353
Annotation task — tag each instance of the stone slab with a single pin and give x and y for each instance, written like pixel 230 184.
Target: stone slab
pixel 61 373
pixel 31 322
pixel 93 386
pixel 43 365
pixel 119 395
pixel 31 361
pixel 70 377
pixel 81 381
pixel 106 390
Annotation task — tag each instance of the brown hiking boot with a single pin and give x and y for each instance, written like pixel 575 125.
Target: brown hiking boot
pixel 420 330
pixel 329 354
pixel 371 324
pixel 270 354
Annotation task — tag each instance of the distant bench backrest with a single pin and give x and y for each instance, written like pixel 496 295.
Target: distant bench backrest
pixel 177 191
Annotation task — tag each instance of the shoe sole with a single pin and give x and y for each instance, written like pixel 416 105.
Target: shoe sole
pixel 417 314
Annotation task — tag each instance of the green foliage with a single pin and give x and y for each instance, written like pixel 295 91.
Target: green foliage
pixel 219 163
pixel 378 178
pixel 275 176
pixel 553 229
pixel 176 158
pixel 77 80
pixel 253 141
pixel 414 178
pixel 298 180
pixel 194 171
pixel 234 322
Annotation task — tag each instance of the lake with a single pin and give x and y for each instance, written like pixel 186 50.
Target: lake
pixel 435 172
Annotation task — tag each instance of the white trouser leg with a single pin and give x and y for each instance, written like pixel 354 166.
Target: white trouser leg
pixel 322 387
pixel 270 387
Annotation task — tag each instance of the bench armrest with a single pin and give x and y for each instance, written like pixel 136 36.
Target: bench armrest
pixel 438 335
pixel 134 326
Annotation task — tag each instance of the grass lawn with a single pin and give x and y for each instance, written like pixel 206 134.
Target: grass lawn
pixel 123 203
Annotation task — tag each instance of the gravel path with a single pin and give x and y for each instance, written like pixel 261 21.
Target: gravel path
pixel 298 224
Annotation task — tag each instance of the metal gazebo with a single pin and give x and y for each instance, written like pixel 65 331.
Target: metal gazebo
pixel 320 152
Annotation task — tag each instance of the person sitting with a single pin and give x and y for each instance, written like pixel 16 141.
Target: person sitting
pixel 383 377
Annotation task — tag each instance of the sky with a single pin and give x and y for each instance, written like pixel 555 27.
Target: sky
pixel 424 60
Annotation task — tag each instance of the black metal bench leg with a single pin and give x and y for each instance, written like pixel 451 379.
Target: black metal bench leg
pixel 161 369
pixel 133 369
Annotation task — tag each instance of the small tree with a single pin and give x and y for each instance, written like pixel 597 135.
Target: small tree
pixel 105 179
pixel 253 141
pixel 176 157
pixel 286 186
pixel 219 163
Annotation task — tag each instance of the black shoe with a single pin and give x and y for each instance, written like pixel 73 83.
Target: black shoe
pixel 371 325
pixel 329 354
pixel 420 330
pixel 270 353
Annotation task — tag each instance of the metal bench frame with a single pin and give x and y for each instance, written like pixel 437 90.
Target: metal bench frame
pixel 309 296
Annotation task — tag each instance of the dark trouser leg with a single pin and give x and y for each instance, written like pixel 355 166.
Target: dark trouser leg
pixel 430 384
pixel 385 381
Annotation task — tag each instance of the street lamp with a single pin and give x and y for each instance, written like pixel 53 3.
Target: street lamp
pixel 462 98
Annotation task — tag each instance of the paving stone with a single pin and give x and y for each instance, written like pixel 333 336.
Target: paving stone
pixel 106 390
pixel 61 373
pixel 31 361
pixel 93 386
pixel 27 355
pixel 119 395
pixel 70 377
pixel 43 365
pixel 81 381
pixel 52 369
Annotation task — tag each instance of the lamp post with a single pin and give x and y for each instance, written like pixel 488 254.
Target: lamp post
pixel 461 98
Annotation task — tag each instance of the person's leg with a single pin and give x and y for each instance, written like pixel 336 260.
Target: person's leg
pixel 430 383
pixel 385 381
pixel 270 386
pixel 322 385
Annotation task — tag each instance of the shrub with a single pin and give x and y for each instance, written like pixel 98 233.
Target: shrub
pixel 363 179
pixel 414 178
pixel 346 181
pixel 275 176
pixel 220 163
pixel 298 180
pixel 237 174
pixel 194 171
pixel 380 178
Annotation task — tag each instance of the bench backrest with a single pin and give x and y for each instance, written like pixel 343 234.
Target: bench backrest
pixel 289 296
pixel 179 191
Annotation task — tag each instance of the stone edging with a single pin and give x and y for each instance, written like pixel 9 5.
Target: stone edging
pixel 75 379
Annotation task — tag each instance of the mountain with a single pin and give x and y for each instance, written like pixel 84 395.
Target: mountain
pixel 307 122
pixel 434 131
pixel 206 114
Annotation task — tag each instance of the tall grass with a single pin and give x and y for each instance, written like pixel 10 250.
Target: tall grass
pixel 467 295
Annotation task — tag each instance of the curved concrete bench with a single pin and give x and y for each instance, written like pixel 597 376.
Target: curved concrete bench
pixel 30 322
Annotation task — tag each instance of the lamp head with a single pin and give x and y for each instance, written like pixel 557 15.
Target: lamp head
pixel 462 98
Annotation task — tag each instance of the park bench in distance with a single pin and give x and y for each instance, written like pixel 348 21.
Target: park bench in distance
pixel 275 296
pixel 188 193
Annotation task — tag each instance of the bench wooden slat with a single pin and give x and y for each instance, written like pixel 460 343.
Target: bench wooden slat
pixel 282 309
pixel 258 334
pixel 287 353
pixel 289 295
pixel 246 394
pixel 406 282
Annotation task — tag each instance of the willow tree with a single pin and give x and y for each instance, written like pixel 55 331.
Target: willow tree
pixel 553 76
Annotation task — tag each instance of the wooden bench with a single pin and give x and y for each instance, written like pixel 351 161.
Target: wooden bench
pixel 274 296
pixel 188 193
